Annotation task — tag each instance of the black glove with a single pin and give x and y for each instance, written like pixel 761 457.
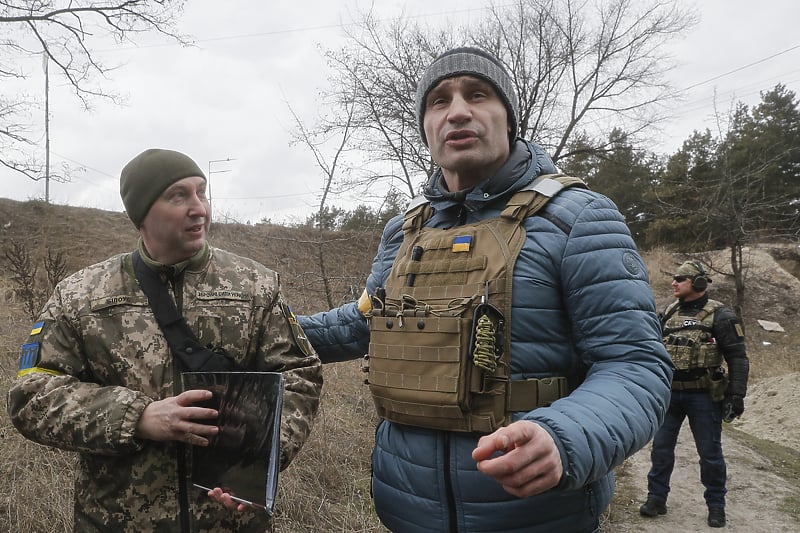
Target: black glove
pixel 732 407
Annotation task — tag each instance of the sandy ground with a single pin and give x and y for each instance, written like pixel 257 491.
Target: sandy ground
pixel 772 412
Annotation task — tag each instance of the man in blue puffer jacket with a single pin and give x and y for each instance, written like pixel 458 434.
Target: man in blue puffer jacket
pixel 581 309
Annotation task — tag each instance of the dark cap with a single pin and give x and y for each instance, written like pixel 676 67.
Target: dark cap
pixel 148 174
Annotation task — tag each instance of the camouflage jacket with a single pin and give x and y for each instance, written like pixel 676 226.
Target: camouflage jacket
pixel 96 358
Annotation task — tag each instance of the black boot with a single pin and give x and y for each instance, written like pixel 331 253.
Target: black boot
pixel 716 517
pixel 653 508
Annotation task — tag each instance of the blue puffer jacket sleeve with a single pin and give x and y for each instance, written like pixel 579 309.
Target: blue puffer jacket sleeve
pixel 610 309
pixel 342 334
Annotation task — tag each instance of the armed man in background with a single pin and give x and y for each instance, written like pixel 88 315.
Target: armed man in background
pixel 515 355
pixel 700 334
pixel 98 374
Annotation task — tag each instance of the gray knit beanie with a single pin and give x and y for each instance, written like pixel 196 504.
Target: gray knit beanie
pixel 148 174
pixel 473 62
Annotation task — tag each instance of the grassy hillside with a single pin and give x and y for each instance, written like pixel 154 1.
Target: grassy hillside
pixel 86 236
pixel 327 487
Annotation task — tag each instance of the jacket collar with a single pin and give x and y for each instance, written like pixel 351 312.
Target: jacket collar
pixel 526 161
pixel 694 304
pixel 194 263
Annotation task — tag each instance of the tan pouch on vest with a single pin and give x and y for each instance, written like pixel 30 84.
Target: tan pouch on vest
pixel 422 371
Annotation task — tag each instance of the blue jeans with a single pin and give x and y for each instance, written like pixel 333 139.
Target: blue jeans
pixel 705 421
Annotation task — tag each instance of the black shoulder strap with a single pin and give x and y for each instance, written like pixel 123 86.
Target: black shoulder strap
pixel 182 342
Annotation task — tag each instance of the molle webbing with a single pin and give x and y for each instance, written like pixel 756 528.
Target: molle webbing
pixel 689 340
pixel 423 323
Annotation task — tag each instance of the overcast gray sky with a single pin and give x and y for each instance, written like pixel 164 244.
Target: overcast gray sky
pixel 227 97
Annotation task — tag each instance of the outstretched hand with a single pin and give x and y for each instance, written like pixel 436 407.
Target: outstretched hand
pixel 176 418
pixel 529 463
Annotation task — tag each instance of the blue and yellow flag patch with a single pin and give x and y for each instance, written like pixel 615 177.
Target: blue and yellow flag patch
pixel 462 243
pixel 29 356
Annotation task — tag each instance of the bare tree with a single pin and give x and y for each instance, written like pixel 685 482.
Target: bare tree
pixel 586 66
pixel 578 66
pixel 21 265
pixel 55 265
pixel 713 206
pixel 22 269
pixel 64 33
pixel 376 76
pixel 315 142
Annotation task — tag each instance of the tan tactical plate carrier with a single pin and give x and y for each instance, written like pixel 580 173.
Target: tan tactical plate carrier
pixel 688 339
pixel 691 345
pixel 439 354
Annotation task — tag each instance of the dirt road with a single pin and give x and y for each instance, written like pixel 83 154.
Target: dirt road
pixel 754 491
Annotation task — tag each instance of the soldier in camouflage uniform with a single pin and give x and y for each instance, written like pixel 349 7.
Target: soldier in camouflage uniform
pixel 97 377
pixel 700 335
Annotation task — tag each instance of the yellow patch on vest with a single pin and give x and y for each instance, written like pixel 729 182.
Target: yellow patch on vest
pixel 39 370
pixel 365 303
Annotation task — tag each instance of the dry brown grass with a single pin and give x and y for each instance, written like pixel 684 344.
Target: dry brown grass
pixel 332 475
pixel 327 488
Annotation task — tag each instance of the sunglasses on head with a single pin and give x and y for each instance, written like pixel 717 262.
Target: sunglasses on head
pixel 680 279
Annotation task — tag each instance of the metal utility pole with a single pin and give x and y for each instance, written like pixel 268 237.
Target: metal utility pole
pixel 208 178
pixel 46 129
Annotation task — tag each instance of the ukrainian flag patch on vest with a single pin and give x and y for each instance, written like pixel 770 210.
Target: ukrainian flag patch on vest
pixel 462 243
pixel 37 328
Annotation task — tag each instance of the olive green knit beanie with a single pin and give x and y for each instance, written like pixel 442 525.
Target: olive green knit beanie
pixel 148 174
